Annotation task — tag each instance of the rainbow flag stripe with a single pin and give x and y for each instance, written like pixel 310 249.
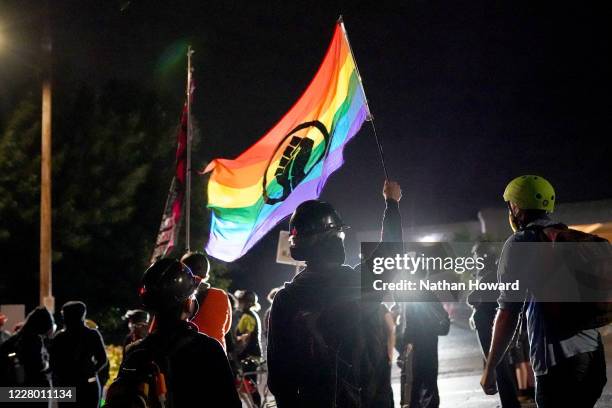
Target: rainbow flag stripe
pixel 290 164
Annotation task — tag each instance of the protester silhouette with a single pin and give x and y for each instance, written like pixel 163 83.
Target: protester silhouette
pixel 566 351
pixel 77 356
pixel 24 360
pixel 327 347
pixel 484 304
pixel 214 315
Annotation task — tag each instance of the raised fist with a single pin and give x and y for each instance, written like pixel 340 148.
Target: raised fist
pixel 392 190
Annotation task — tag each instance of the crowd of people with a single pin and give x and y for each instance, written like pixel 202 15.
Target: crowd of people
pixel 323 343
pixel 38 356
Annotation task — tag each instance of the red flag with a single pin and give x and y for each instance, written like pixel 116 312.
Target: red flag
pixel 167 236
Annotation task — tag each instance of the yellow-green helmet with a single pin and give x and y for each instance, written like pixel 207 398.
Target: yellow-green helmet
pixel 531 193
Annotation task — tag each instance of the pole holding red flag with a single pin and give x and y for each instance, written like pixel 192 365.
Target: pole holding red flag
pixel 179 196
pixel 370 117
pixel 188 167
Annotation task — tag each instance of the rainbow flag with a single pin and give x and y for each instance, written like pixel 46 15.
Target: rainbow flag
pixel 290 164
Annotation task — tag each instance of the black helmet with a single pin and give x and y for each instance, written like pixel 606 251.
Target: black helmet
pixel 314 216
pixel 136 316
pixel 198 263
pixel 316 233
pixel 166 284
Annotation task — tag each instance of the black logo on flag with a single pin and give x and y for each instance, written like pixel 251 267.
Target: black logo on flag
pixel 297 160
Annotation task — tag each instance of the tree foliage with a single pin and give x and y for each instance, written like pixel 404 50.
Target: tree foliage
pixel 113 156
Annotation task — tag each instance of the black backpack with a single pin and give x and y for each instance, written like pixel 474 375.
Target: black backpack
pixel 141 382
pixel 566 319
pixel 344 341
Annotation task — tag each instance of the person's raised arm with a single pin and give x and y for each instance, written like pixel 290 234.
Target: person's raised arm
pixel 391 240
pixel 392 221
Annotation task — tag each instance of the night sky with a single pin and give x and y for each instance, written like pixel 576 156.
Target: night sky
pixel 466 94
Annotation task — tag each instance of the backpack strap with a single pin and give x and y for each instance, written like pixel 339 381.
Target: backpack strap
pixel 516 336
pixel 547 234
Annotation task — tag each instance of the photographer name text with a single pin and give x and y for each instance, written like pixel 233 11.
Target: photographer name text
pixel 443 285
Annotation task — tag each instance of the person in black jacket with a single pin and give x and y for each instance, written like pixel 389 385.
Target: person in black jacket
pixel 29 347
pixel 326 347
pixel 24 358
pixel 194 365
pixel 484 303
pixel 77 355
pixel 423 323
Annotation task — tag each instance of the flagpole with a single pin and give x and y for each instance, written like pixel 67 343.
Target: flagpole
pixel 370 117
pixel 188 166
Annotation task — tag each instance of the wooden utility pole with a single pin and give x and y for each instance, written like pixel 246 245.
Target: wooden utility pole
pixel 46 296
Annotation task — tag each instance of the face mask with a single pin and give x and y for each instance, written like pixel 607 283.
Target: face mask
pixel 323 248
pixel 334 250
